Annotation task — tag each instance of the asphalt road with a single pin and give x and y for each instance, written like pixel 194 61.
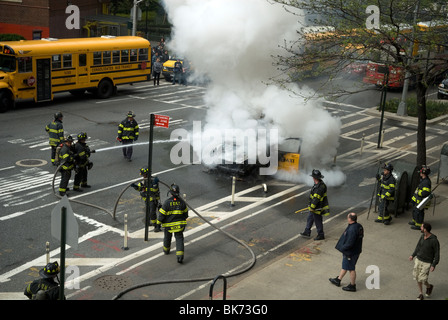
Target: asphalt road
pixel 265 221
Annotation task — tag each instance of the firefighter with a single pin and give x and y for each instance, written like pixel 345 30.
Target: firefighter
pixel 128 133
pixel 423 190
pixel 154 196
pixel 67 158
pixel 173 217
pixel 386 194
pixel 83 163
pixel 45 288
pixel 55 132
pixel 318 206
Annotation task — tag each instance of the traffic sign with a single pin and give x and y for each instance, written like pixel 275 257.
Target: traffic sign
pixel 71 223
pixel 161 121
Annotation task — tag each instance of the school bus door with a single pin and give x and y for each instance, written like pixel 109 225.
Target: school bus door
pixel 43 79
pixel 83 76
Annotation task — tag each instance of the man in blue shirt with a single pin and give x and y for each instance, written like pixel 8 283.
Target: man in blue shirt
pixel 350 244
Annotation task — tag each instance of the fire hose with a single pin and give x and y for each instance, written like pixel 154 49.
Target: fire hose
pixel 251 263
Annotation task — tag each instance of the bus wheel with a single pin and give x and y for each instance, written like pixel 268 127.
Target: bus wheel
pixel 105 89
pixel 5 101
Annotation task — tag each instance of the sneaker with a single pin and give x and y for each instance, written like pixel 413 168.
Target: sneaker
pixel 304 234
pixel 429 290
pixel 350 287
pixel 320 237
pixel 420 297
pixel 336 281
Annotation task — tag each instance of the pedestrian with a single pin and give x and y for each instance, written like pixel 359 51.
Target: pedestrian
pixel 173 217
pixel 128 131
pixel 350 245
pixel 67 159
pixel 422 191
pixel 177 71
pixel 45 288
pixel 157 67
pixel 83 163
pixel 318 206
pixel 427 255
pixel 154 196
pixel 55 132
pixel 386 194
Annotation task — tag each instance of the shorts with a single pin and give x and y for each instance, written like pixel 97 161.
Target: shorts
pixel 421 270
pixel 348 263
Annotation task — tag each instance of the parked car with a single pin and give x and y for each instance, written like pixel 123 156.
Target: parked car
pixel 442 92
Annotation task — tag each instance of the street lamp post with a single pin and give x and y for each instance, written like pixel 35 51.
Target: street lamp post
pixel 134 16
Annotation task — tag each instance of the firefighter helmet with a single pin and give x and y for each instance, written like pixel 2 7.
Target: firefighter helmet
pixel 316 174
pixel 144 171
pixel 388 166
pixel 58 115
pixel 50 270
pixel 425 170
pixel 174 190
pixel 82 136
pixel 68 139
pixel 130 114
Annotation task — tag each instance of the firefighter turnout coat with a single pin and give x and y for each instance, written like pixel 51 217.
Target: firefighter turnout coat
pixel 128 130
pixel 387 188
pixel 423 190
pixel 173 214
pixel 318 199
pixel 55 132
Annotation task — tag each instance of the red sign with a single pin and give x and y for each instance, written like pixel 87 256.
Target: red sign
pixel 161 121
pixel 31 81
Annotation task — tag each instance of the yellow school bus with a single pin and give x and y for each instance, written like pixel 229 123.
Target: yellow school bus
pixel 37 69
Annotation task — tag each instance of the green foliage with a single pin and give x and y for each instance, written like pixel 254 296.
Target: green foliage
pixel 434 108
pixel 10 37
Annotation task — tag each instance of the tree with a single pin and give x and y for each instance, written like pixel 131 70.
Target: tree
pixel 379 30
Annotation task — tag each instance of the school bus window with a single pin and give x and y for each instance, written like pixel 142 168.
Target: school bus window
pixel 56 62
pixel 82 60
pixel 133 54
pixel 124 56
pixel 143 54
pixel 106 57
pixel 67 60
pixel 7 64
pixel 97 58
pixel 25 64
pixel 116 56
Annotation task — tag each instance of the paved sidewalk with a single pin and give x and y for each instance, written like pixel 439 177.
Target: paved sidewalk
pixel 304 273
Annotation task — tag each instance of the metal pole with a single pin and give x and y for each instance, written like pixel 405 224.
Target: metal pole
pixel 402 109
pixel 63 241
pixel 125 246
pixel 47 251
pixel 232 203
pixel 383 103
pixel 151 138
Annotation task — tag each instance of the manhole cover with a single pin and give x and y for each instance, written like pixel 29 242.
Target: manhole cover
pixel 112 283
pixel 31 163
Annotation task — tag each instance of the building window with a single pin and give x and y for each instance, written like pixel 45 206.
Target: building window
pixel 25 64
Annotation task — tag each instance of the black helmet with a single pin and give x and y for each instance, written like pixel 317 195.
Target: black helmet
pixel 425 170
pixel 82 135
pixel 58 115
pixel 68 139
pixel 316 174
pixel 144 170
pixel 130 114
pixel 388 166
pixel 174 190
pixel 50 270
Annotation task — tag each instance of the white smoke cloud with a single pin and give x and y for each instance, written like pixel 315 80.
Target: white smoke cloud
pixel 233 42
